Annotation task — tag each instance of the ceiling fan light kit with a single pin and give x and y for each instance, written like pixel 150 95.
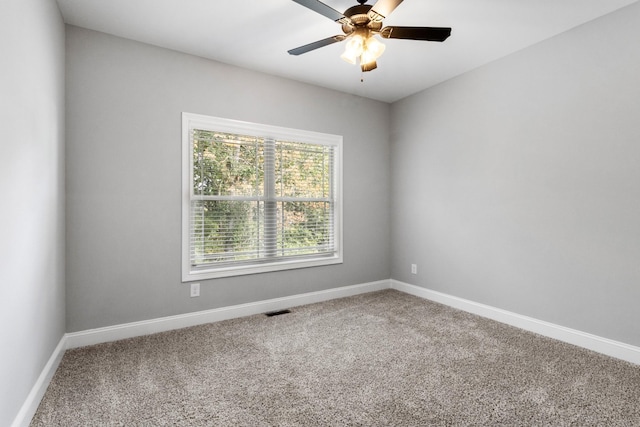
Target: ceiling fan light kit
pixel 360 24
pixel 366 50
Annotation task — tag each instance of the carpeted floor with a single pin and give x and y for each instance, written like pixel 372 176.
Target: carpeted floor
pixel 379 359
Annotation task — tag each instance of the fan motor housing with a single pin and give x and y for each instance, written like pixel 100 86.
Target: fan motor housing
pixel 359 16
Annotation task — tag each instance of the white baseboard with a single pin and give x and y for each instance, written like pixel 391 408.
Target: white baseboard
pixel 598 344
pixel 146 327
pixel 129 330
pixel 30 405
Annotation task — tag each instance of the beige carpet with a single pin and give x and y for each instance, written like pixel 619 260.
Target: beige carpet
pixel 379 359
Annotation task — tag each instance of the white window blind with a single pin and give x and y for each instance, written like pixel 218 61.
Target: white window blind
pixel 260 198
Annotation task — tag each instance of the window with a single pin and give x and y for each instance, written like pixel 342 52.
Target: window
pixel 258 198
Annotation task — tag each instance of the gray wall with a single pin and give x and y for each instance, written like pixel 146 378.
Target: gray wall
pixel 32 300
pixel 518 184
pixel 124 104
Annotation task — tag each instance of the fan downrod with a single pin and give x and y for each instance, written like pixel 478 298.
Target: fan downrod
pixel 362 1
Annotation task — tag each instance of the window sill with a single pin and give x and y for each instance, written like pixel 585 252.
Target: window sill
pixel 231 271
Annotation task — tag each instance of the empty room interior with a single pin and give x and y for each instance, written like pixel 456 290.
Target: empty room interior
pixel 486 183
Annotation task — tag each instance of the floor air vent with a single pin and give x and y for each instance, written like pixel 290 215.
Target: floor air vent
pixel 277 313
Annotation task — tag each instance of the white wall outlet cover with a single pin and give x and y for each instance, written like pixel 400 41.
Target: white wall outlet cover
pixel 195 290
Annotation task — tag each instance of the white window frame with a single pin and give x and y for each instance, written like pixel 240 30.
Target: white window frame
pixel 196 121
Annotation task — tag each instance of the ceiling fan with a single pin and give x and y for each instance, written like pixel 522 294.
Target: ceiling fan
pixel 360 24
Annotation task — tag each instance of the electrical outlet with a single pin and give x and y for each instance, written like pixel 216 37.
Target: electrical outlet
pixel 195 290
pixel 414 269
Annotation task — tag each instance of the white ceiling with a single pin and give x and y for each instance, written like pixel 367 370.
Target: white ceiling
pixel 257 34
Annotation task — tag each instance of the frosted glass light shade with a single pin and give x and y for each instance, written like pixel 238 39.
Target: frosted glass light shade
pixel 355 45
pixel 349 57
pixel 367 50
pixel 374 47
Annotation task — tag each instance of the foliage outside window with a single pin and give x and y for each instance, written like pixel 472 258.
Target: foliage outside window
pixel 258 198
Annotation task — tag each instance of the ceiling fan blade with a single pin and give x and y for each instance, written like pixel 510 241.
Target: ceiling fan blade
pixel 324 10
pixel 382 9
pixel 432 34
pixel 316 45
